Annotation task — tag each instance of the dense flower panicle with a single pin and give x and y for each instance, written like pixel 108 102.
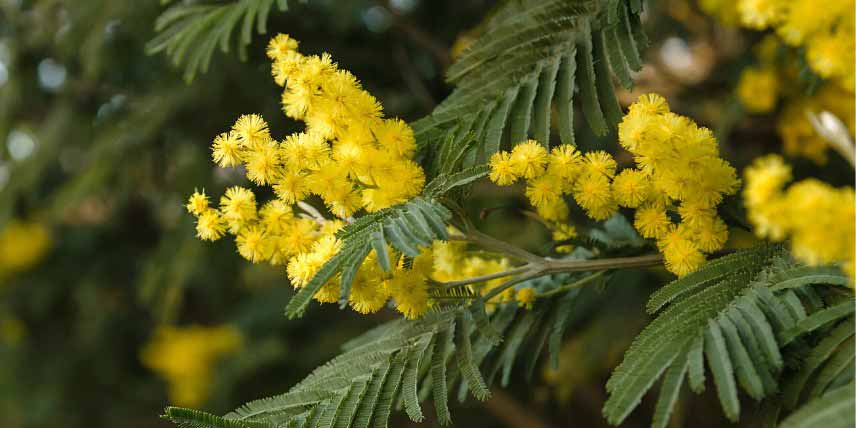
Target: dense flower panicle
pixel 185 357
pixel 678 171
pixel 820 220
pixel 348 155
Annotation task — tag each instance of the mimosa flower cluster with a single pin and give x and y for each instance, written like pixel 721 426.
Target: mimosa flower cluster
pixel 761 86
pixel 820 220
pixel 350 157
pixel 825 31
pixel 678 174
pixel 185 358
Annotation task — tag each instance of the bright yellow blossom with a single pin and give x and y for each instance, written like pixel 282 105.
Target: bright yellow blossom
pixel 529 159
pixel 758 89
pixel 197 203
pixel 525 297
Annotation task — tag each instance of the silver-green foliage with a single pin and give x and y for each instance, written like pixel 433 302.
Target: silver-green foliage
pixel 190 32
pixel 739 314
pixel 534 53
pixel 403 363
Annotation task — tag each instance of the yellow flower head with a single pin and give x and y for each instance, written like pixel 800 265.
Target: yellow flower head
pixel 529 159
pixel 252 244
pixel 197 203
pixel 502 169
pixel 600 162
pixel 592 192
pixel 650 104
pixel 630 188
pixel 410 293
pixel 396 137
pixel 238 206
pixel 565 162
pixel 652 222
pixel 263 164
pixel 210 226
pixel 544 190
pixel 564 232
pixel 251 129
pixel 680 252
pixel 226 150
pixel 281 45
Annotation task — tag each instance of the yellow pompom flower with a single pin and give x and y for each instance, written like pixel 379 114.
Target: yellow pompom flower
pixel 276 216
pixel 556 210
pixel 758 89
pixel 600 162
pixel 544 190
pixel 681 254
pixel 197 203
pixel 502 169
pixel 238 206
pixel 291 187
pixel 694 212
pixel 529 159
pixel 592 192
pixel 262 163
pixel 565 162
pixel 210 225
pixel 630 188
pixel 226 150
pixel 710 234
pixel 252 244
pixel 396 137
pixel 410 293
pixel 367 297
pixel 652 222
pixel 251 129
pixel 280 46
pixel 650 104
pixel 304 151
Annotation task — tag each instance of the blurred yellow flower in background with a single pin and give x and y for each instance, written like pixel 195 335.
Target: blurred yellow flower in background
pixel 185 357
pixel 22 245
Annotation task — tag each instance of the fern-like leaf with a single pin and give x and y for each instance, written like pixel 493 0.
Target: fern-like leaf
pixel 534 53
pixel 728 313
pixel 190 32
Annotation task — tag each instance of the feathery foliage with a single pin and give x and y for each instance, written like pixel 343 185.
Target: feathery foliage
pixel 189 32
pixel 736 314
pixel 534 53
pixel 403 362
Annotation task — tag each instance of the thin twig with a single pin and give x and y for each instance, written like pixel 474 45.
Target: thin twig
pixel 483 278
pixel 567 287
pixel 487 241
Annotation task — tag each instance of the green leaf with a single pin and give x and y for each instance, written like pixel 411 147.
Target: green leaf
pixel 189 33
pixel 508 77
pixel 188 418
pixel 723 372
pixel 819 319
pixel 833 410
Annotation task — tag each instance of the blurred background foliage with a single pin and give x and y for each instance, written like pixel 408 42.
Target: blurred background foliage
pixel 106 297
